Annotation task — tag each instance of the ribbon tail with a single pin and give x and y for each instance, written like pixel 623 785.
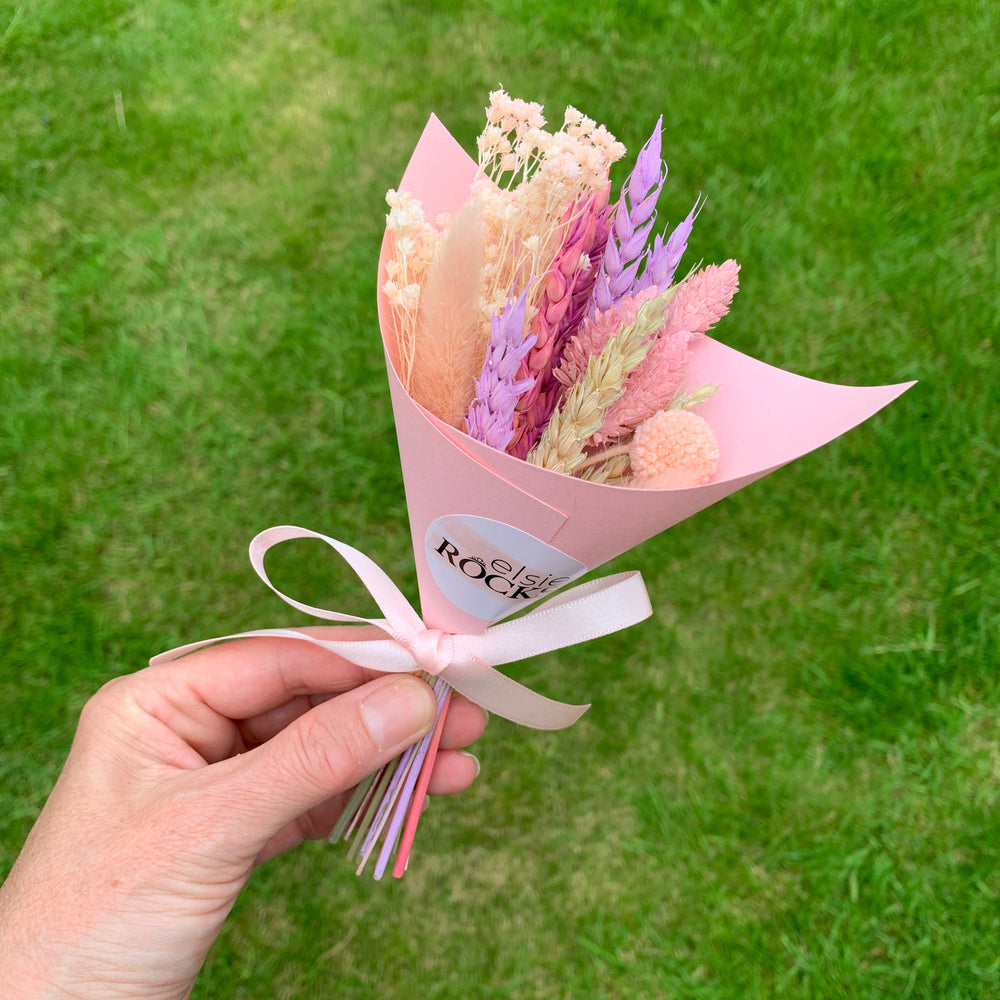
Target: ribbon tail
pixel 585 612
pixel 590 611
pixel 355 644
pixel 499 694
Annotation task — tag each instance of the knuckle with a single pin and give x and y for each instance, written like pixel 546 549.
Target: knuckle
pixel 107 700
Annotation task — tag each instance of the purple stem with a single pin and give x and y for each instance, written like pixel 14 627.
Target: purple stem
pixel 385 803
pixel 399 816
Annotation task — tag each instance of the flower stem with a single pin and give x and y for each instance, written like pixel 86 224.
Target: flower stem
pixel 602 456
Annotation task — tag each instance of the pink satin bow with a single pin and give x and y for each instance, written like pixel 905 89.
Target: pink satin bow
pixel 465 661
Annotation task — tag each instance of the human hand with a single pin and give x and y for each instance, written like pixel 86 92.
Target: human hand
pixel 181 779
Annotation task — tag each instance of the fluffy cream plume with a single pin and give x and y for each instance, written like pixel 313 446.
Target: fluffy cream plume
pixel 448 350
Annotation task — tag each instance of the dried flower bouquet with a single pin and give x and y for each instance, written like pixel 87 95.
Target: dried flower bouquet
pixel 546 322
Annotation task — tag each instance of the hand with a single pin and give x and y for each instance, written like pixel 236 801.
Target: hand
pixel 181 779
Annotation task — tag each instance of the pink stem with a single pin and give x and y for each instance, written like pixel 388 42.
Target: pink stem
pixel 417 804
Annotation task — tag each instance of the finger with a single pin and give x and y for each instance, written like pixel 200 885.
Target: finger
pixel 198 695
pixel 454 771
pixel 261 728
pixel 247 677
pixel 324 752
pixel 464 723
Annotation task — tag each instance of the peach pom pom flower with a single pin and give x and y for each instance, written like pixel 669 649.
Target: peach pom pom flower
pixel 673 449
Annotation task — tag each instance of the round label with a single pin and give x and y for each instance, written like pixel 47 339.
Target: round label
pixel 489 569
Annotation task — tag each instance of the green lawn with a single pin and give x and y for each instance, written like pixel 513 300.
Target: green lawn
pixel 787 784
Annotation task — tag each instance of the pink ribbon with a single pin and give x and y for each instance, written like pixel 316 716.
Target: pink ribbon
pixel 465 661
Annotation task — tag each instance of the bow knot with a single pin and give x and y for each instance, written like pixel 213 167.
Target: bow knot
pixel 433 649
pixel 466 662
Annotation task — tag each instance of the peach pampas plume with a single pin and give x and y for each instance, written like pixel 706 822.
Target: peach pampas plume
pixel 703 299
pixel 448 350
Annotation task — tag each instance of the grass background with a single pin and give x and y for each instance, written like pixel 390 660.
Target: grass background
pixel 787 784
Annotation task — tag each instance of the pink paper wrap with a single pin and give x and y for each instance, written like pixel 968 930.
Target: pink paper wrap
pixel 762 416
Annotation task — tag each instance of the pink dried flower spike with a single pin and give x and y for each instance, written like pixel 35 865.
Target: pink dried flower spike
pixel 650 388
pixel 703 299
pixel 566 291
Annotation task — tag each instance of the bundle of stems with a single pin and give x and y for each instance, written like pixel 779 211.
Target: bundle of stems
pixel 385 808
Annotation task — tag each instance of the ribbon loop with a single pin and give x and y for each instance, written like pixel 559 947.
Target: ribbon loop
pixel 401 642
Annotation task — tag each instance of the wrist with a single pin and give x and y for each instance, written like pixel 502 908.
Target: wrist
pixel 49 952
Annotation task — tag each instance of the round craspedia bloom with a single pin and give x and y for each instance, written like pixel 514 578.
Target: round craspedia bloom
pixel 672 450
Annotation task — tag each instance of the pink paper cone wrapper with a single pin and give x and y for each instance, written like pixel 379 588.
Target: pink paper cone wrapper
pixel 492 533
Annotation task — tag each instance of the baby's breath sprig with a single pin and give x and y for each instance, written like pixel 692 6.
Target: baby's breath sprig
pixel 562 447
pixel 413 245
pixel 534 186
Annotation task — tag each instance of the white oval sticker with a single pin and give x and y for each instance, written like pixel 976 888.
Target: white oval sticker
pixel 489 569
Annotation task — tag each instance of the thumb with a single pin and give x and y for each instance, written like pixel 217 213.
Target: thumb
pixel 329 750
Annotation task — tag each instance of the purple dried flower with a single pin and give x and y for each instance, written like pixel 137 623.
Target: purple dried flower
pixel 491 412
pixel 663 259
pixel 634 218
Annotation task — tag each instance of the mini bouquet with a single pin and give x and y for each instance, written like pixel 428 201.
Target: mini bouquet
pixel 557 401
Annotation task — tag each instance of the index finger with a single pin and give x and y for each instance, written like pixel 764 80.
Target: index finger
pixel 246 677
